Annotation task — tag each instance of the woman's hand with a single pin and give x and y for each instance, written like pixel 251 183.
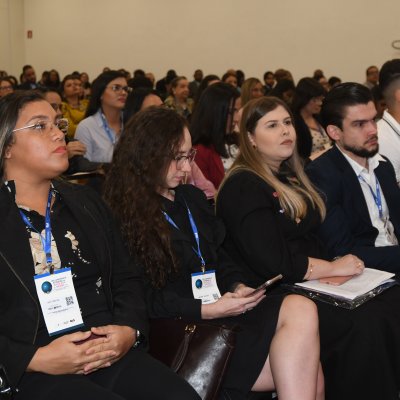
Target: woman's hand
pixel 64 356
pixel 347 265
pixel 75 148
pixel 119 340
pixel 242 290
pixel 231 304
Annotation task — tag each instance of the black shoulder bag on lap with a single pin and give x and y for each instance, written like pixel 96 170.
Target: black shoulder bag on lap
pixel 199 352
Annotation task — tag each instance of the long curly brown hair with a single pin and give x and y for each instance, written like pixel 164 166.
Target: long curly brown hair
pixel 141 159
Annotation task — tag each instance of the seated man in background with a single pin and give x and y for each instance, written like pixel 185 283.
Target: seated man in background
pixel 358 184
pixel 371 75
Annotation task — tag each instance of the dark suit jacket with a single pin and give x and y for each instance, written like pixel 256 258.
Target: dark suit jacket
pixel 19 307
pixel 348 227
pixel 28 86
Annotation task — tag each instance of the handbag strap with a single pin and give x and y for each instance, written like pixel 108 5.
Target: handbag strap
pixel 183 348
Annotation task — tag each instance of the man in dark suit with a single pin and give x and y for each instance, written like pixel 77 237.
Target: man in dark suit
pixel 29 78
pixel 194 85
pixel 357 183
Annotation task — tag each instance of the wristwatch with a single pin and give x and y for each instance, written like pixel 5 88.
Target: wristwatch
pixel 138 339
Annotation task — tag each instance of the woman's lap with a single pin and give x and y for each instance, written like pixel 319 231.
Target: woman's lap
pixel 136 375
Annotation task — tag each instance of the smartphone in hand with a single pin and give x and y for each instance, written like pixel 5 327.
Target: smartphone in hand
pixel 263 286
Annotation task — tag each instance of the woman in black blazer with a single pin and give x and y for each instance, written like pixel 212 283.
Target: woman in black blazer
pixel 161 220
pixel 271 212
pixel 72 314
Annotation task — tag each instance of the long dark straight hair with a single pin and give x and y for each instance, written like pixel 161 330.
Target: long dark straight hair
pixel 211 115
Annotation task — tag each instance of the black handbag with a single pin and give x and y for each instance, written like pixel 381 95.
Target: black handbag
pixel 199 352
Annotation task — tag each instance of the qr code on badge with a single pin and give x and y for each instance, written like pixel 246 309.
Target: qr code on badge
pixel 69 300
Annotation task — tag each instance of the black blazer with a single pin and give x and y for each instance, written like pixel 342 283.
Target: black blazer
pixel 347 227
pixel 175 299
pixel 19 308
pixel 261 239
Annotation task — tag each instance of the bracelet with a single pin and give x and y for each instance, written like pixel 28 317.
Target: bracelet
pixel 309 273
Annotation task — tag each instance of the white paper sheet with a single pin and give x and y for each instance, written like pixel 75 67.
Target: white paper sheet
pixel 357 286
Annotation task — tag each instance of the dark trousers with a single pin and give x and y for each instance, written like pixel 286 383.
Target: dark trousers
pixel 136 376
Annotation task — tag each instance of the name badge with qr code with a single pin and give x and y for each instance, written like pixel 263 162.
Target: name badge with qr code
pixel 204 287
pixel 58 301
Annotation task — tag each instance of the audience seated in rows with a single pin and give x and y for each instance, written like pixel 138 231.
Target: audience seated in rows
pixel 272 213
pixel 94 350
pixel 277 345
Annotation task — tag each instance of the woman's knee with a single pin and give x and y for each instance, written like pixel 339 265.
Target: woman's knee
pixel 298 310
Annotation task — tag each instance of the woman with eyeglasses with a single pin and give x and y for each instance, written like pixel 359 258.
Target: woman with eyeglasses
pixel 172 231
pixel 72 316
pixel 6 86
pixel 73 107
pixel 104 123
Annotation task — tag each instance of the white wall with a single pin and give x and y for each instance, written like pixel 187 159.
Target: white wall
pixel 342 37
pixel 12 49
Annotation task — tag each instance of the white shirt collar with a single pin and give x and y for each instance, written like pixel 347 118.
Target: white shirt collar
pixel 388 117
pixel 373 162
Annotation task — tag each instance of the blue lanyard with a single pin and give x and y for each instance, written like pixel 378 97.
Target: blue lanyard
pixel 377 197
pixel 195 233
pixel 46 241
pixel 107 128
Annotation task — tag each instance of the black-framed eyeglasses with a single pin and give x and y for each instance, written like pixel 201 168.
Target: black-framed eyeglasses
pixel 119 88
pixel 47 126
pixel 181 158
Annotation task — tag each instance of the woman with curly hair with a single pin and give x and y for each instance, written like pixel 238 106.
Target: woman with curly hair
pixel 172 231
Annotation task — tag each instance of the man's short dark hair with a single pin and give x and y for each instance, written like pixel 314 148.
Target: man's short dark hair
pixel 26 67
pixel 342 96
pixel 367 72
pixel 389 72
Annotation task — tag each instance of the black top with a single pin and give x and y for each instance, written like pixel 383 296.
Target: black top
pixel 261 238
pixel 257 327
pixel 176 298
pixel 347 227
pixel 266 242
pixel 120 276
pixel 70 249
